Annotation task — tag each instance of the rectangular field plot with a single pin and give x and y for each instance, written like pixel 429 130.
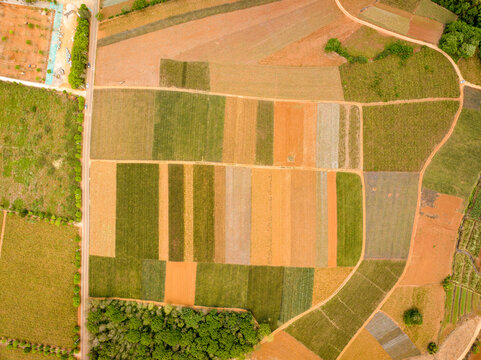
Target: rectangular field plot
pixel 181 74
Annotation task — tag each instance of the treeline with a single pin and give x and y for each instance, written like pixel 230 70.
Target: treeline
pixel 80 49
pixel 468 11
pixel 128 330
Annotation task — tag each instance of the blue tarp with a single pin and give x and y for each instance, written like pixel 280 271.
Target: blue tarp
pixel 52 54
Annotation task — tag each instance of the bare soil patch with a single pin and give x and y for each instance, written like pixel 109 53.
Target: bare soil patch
pixel 163 211
pixel 188 212
pixel 283 347
pixel 355 6
pixel 435 239
pixel 326 281
pixel 425 29
pixel 219 214
pixel 365 347
pixel 180 283
pixel 113 10
pixel 103 207
pixel 332 219
pixel 281 217
pixel 27 31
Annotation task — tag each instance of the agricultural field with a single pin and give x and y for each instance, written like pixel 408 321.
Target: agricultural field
pixel 18 354
pixel 365 347
pixel 36 272
pixel 470 68
pixel 38 150
pixel 459 302
pixel 25 41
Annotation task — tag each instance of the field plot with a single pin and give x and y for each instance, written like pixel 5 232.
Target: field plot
pixel 26 34
pixel 36 273
pixel 365 347
pixel 18 354
pixel 283 347
pixel 429 300
pixel 182 74
pixel 435 239
pixel 38 150
pixel 425 29
pixel 393 145
pixel 434 11
pixel 459 302
pixel 367 42
pixel 327 330
pixel 390 209
pixel 387 79
pixel 455 167
pixel 386 19
pixel 326 281
pixel 470 68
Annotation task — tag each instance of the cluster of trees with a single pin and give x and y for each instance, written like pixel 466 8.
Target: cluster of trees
pixel 46 350
pixel 80 48
pixel 460 40
pixel 468 11
pixel 127 330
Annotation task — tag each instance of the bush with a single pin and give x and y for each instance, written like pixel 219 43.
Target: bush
pixel 139 5
pixel 432 348
pixel 28 42
pixel 460 40
pixel 397 48
pixel 76 78
pixel 30 26
pixel 412 317
pixel 447 283
pixel 4 38
pixel 76 301
pixel 99 16
pixel 475 348
pixel 76 279
pixel 334 44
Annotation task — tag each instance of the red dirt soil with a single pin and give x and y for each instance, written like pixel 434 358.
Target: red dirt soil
pixel 180 283
pixel 14 51
pixel 283 347
pixel 434 241
pixel 425 29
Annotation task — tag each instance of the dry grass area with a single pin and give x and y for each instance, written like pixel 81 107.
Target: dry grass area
pixel 471 68
pixel 326 281
pixel 283 347
pixel 25 41
pixel 365 347
pixel 386 19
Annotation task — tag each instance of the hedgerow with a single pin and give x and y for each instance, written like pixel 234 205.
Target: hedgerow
pixel 127 330
pixel 80 48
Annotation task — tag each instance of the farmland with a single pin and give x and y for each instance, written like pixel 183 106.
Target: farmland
pixel 365 347
pixel 36 273
pixel 38 161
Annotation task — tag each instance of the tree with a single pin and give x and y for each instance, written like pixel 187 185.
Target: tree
pixel 84 12
pixel 413 317
pixel 99 16
pixel 432 348
pixel 139 4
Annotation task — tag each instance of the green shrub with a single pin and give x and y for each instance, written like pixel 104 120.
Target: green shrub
pixel 28 42
pixel 99 16
pixel 447 283
pixel 30 25
pixel 76 78
pixel 432 348
pixel 139 5
pixel 334 44
pixel 4 38
pixel 76 301
pixel 413 317
pixel 17 67
pixel 397 48
pixel 76 279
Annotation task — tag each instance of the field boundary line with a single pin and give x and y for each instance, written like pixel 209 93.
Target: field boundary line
pixel 42 86
pixel 3 230
pixel 310 101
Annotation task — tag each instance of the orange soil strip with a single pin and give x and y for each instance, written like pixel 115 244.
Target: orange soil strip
pixel 261 232
pixel 434 241
pixel 180 283
pixel 354 6
pixel 425 29
pixel 219 214
pixel 288 133
pixel 4 221
pixel 281 217
pixel 332 219
pixel 310 134
pixel 283 347
pixel 189 212
pixel 303 219
pixel 239 144
pixel 103 195
pixel 322 250
pixel 326 281
pixel 365 347
pixel 163 212
pixel 309 51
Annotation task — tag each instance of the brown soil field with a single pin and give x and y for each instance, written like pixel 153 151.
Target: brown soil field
pixel 394 10
pixel 188 212
pixel 303 218
pixel 219 214
pixel 332 219
pixel 309 51
pixel 430 302
pixel 295 134
pixel 281 217
pixel 163 211
pixel 239 144
pixel 14 50
pixel 425 29
pixel 435 239
pixel 238 215
pixel 262 212
pixel 365 347
pixel 180 283
pixel 322 241
pixel 112 11
pixel 103 206
pixel 283 347
pixel 326 281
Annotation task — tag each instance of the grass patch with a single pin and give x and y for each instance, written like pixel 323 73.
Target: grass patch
pixel 36 273
pixel 137 224
pixel 185 74
pixel 296 292
pixel 101 276
pixel 176 212
pixel 366 42
pixel 387 79
pixel 431 10
pixel 393 145
pixel 406 5
pixel 342 137
pixel 222 285
pixel 203 213
pixel 455 168
pixel 189 126
pixel 153 280
pixel 472 98
pixel 471 68
pixel 265 133
pixel 455 311
pixel 386 19
pixel 354 137
pixel 38 161
pixel 349 219
pixel 265 293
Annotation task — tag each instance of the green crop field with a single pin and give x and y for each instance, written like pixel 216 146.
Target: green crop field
pixel 327 330
pixel 394 145
pixel 296 292
pixel 36 277
pixel 434 11
pixel 183 74
pixel 37 163
pixel 455 168
pixel 471 68
pixel 153 279
pixel 204 213
pixel 265 133
pixel 176 212
pixel 137 224
pixel 387 79
pixel 349 219
pixel 354 137
pixel 407 5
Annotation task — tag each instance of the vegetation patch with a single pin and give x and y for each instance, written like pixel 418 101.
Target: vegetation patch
pixel 467 10
pixel 429 9
pixel 176 212
pixel 265 133
pixel 407 5
pixel 460 40
pixel 349 219
pixel 393 145
pixel 80 49
pixel 471 68
pixel 184 74
pixel 145 331
pixel 296 292
pixel 153 279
